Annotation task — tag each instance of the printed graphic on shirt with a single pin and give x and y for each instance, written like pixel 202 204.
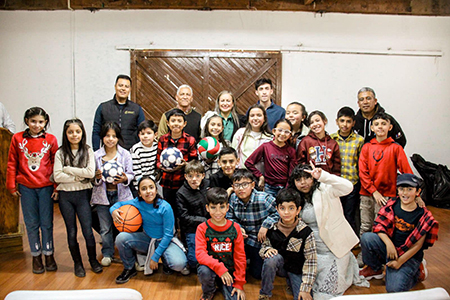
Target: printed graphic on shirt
pixel 34 158
pixel 221 247
pixel 282 158
pixel 377 156
pixel 319 154
pixel 402 225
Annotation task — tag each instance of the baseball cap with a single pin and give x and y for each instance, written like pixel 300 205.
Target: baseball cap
pixel 409 180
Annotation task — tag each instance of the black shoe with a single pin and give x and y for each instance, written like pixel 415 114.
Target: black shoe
pixel 50 263
pixel 126 275
pixel 167 270
pixel 95 266
pixel 38 267
pixel 78 269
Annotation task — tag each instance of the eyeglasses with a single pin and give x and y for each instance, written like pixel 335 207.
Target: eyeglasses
pixel 285 131
pixel 243 185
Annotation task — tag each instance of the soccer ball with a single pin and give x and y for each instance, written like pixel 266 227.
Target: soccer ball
pixel 209 147
pixel 110 169
pixel 171 157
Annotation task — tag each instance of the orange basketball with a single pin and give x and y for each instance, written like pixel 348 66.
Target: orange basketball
pixel 132 219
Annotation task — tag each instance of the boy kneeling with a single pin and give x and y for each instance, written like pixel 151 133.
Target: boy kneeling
pixel 401 232
pixel 289 249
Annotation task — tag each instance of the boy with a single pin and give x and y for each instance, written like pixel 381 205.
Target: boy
pixel 289 249
pixel 228 160
pixel 220 249
pixel 143 153
pixel 401 232
pixel 350 144
pixel 191 201
pixel 172 180
pixel 255 212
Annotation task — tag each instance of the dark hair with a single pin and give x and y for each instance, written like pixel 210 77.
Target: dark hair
pixel 227 150
pixel 123 76
pixel 216 195
pixel 304 112
pixel 262 81
pixel 240 174
pixel 290 195
pixel 382 116
pixel 346 112
pixel 207 133
pixel 36 111
pixel 283 121
pixel 157 197
pixel 148 124
pixel 319 113
pixel 83 149
pixel 248 127
pixel 194 166
pixel 176 112
pixel 114 126
pixel 298 173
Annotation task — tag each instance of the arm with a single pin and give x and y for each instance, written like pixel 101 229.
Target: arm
pixel 390 248
pixel 88 172
pixel 397 133
pixel 336 157
pixel 402 162
pixel 255 158
pixel 7 122
pixel 396 264
pixel 240 261
pixel 272 213
pixel 127 166
pixel 309 270
pixel 185 217
pixel 141 117
pixel 13 165
pixel 137 164
pixel 96 128
pixel 267 250
pixel 302 153
pixel 340 186
pixel 201 252
pixel 192 151
pixel 364 175
pixel 58 170
pixel 162 127
pixel 168 225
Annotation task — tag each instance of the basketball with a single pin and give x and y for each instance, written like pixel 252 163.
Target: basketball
pixel 208 147
pixel 171 157
pixel 132 219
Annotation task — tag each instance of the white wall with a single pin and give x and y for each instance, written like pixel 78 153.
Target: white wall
pixel 67 61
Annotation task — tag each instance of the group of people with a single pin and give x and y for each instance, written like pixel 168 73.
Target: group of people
pixel 283 197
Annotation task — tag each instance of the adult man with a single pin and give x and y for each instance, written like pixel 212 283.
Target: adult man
pixel 184 98
pixel 264 91
pixel 119 109
pixel 5 119
pixel 368 107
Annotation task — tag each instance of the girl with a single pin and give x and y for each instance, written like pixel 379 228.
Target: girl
pixel 30 165
pixel 214 128
pixel 319 147
pixel 255 133
pixel 156 240
pixel 73 170
pixel 106 194
pixel 337 268
pixel 279 159
pixel 296 113
pixel 226 108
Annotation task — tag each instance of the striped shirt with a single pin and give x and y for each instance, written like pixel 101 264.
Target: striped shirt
pixel 350 148
pixel 144 160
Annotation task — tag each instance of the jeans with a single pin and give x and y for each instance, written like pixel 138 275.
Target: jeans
pixel 256 262
pixel 207 278
pixel 106 224
pixel 375 256
pixel 130 243
pixel 274 266
pixel 350 204
pixel 73 204
pixel 272 189
pixel 369 211
pixel 37 209
pixel 190 241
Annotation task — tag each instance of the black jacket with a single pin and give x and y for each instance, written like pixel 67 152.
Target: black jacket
pixel 191 207
pixel 219 179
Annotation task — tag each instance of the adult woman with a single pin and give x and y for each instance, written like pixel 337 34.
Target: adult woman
pixel 337 268
pixel 226 108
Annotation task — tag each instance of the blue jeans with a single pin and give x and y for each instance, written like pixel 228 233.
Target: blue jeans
pixel 106 224
pixel 375 256
pixel 190 241
pixel 272 189
pixel 37 209
pixel 207 278
pixel 256 262
pixel 274 266
pixel 350 205
pixel 130 243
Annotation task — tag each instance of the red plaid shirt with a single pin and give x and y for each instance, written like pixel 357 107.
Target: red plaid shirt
pixel 186 144
pixel 428 226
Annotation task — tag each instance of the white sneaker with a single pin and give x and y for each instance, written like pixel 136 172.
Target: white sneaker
pixel 106 261
pixel 185 271
pixel 138 267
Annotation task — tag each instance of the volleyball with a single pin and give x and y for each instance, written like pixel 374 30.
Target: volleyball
pixel 208 147
pixel 132 219
pixel 110 170
pixel 171 157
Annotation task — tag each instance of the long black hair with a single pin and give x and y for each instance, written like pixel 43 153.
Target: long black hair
pixel 157 197
pixel 114 126
pixel 299 172
pixel 81 159
pixel 36 111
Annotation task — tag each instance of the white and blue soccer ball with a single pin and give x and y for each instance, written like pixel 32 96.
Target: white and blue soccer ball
pixel 171 157
pixel 110 170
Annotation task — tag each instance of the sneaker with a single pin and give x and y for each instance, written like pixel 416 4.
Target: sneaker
pixel 289 290
pixel 423 270
pixel 369 273
pixel 106 261
pixel 126 275
pixel 167 270
pixel 185 271
pixel 263 297
pixel 360 260
pixel 207 296
pixel 138 267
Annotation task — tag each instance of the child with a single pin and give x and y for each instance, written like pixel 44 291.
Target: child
pixel 401 232
pixel 255 133
pixel 220 250
pixel 350 144
pixel 144 152
pixel 232 120
pixel 228 162
pixel 319 147
pixel 172 180
pixel 105 194
pixel 296 113
pixel 30 165
pixel 191 201
pixel 279 159
pixel 156 240
pixel 378 164
pixel 255 212
pixel 73 170
pixel 289 249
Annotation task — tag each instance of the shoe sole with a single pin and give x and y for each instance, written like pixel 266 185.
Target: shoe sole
pixel 125 281
pixel 425 270
pixel 38 271
pixel 379 276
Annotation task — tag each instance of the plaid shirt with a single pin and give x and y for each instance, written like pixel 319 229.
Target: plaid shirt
pixel 260 210
pixel 385 223
pixel 350 148
pixel 186 144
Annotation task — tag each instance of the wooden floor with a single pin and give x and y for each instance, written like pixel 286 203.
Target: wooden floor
pixel 15 272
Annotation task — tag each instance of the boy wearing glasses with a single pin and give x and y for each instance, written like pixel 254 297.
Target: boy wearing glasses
pixel 255 212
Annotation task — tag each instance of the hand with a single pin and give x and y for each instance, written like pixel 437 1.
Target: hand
pixel 55 195
pixel 305 296
pixel 394 264
pixel 271 253
pixel 153 265
pixel 227 279
pixel 230 191
pixel 262 234
pixel 240 294
pixel 16 194
pixel 315 172
pixel 98 174
pixel 379 198
pixel 122 178
pixel 261 183
pixel 420 202
pixel 244 234
pixel 391 251
pixel 116 216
